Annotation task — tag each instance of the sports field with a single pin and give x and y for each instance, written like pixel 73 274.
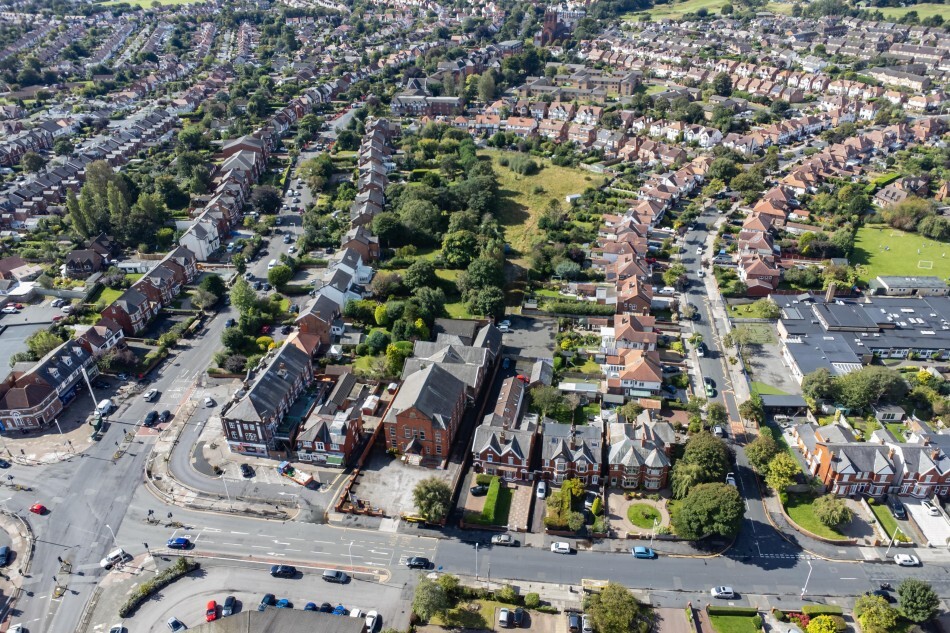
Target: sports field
pixel 924 10
pixel 678 9
pixel 885 251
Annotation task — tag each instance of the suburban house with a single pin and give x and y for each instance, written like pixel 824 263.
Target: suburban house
pixel 639 453
pixel 330 439
pixel 571 451
pixel 83 263
pixel 505 440
pixel 320 319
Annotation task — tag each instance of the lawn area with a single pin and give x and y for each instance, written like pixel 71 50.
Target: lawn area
pixel 746 311
pixel 784 8
pixel 479 614
pixel 589 366
pixel 496 505
pixel 897 430
pixel 799 508
pixel 365 364
pixel 887 520
pixel 521 206
pixel 458 310
pixel 133 277
pixel 642 515
pixel 656 88
pixel 732 624
pixel 678 9
pixel 766 390
pixel 583 414
pixel 923 10
pixel 106 295
pixel 760 333
pixel 902 258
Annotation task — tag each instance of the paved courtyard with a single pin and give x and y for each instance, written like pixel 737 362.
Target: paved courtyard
pixel 387 483
pixel 617 505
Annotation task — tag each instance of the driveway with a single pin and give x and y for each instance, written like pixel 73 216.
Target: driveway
pixel 936 529
pixel 530 337
pixel 672 621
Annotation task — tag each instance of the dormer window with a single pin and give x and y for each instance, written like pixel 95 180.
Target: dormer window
pixel 54 372
pixel 68 361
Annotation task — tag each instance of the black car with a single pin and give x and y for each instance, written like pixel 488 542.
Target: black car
pixel 258 285
pixel 326 607
pixel 518 616
pixel 164 416
pixel 479 490
pixel 4 463
pixel 151 419
pixel 230 323
pixel 417 562
pixel 267 601
pixel 228 607
pixel 246 471
pixel 898 510
pixel 286 329
pixel 709 382
pixel 283 571
pixel 100 385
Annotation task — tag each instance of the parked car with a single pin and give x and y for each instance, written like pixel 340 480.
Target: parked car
pixel 267 601
pixel 573 622
pixel 284 603
pixel 283 571
pixel 311 606
pixel 115 628
pixel 164 416
pixel 357 613
pixel 211 611
pixel 150 395
pixel 561 547
pixel 517 616
pixel 542 490
pixel 898 509
pixel 176 625
pixel 417 562
pixel 504 618
pixel 930 508
pixel 340 610
pixel 731 479
pixel 642 552
pixel 228 607
pixel 246 471
pixel 479 490
pixel 587 625
pixel 230 323
pixel 150 419
pixel 710 392
pixel 335 575
pixel 209 402
pixel 372 621
pixel 725 593
pixel 179 542
pixel 718 431
pixel 701 350
pixel 4 463
pixel 326 607
pixel 906 560
pixel 503 539
pixel 9 310
pixel 709 382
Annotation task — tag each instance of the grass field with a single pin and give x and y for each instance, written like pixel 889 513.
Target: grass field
pixel 678 9
pixel 799 508
pixel 106 295
pixel 746 311
pixel 924 10
pixel 732 624
pixel 521 206
pixel 766 390
pixel 760 333
pixel 147 3
pixel 901 256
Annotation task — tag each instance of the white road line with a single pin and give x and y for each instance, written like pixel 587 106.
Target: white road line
pixel 259 546
pixel 292 550
pixel 324 542
pixel 233 532
pixel 235 544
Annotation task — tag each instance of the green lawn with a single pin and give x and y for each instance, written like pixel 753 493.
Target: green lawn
pixel 654 89
pixel 732 624
pixel 678 9
pixel 458 310
pixel 148 3
pixel 923 10
pixel 746 311
pixel 887 520
pixel 133 277
pixel 582 414
pixel 464 618
pixel 760 333
pixel 365 364
pixel 902 258
pixel 521 206
pixel 784 8
pixel 799 508
pixel 642 515
pixel 897 430
pixel 589 366
pixel 767 390
pixel 106 295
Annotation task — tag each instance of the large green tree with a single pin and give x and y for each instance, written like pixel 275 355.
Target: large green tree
pixel 782 472
pixel 761 450
pixel 243 296
pixel 420 274
pixel 831 510
pixel 875 615
pixel 42 342
pixel 918 601
pixel 708 452
pixel 614 609
pixel 433 499
pixel 712 508
pixel 430 599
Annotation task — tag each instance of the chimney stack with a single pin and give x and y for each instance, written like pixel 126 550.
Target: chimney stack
pixel 573 436
pixel 830 293
pixel 935 454
pixel 890 453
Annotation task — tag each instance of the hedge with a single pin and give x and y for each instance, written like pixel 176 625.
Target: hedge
pixel 711 610
pixel 579 308
pixel 161 580
pixel 483 480
pixel 822 609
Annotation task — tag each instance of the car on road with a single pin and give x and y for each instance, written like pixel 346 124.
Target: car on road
pixel 176 625
pixel 150 419
pixel 731 479
pixel 725 593
pixel 504 539
pixel 38 508
pixel 284 603
pixel 336 576
pixel 230 323
pixel 57 318
pixel 881 593
pixel 710 392
pixel 150 395
pixel 230 603
pixel 417 562
pixel 561 547
pixel 179 542
pixel 718 431
pixel 930 508
pixel 699 250
pixel 709 382
pixel 209 402
pixel 164 416
pixel 372 621
pixel 542 490
pixel 246 471
pixel 906 560
pixel 4 463
pixel 898 509
pixel 211 611
pixel 504 618
pixel 283 571
pixel 506 323
pixel 701 350
pixel 310 606
pixel 642 552
pixel 267 601
pixel 479 491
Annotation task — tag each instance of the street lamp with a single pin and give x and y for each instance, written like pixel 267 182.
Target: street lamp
pixel 807 578
pixel 893 538
pixel 114 540
pixel 351 555
pixel 656 523
pixel 476 561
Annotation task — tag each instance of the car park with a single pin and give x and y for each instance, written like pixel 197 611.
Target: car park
pixel 561 547
pixel 230 603
pixel 179 542
pixel 906 560
pixel 643 552
pixel 417 562
pixel 372 621
pixel 283 571
pixel 503 539
pixel 267 601
pixel 724 593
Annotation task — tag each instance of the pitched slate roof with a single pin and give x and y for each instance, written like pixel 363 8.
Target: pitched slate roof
pixel 272 386
pixel 433 391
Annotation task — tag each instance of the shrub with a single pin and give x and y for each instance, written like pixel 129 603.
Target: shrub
pixel 716 610
pixel 491 500
pixel 483 479
pixel 780 615
pixel 162 579
pixel 757 621
pixel 597 507
pixel 507 594
pixel 532 600
pixel 822 609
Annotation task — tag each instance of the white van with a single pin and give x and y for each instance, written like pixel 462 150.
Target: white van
pixel 113 558
pixel 271 264
pixel 104 406
pixel 667 290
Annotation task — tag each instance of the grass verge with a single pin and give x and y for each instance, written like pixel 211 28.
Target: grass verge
pixel 799 508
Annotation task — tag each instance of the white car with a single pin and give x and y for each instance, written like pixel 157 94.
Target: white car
pixel 931 509
pixel 725 593
pixel 906 560
pixel 699 250
pixel 561 547
pixel 9 310
pixel 505 323
pixel 372 619
pixel 117 628
pixel 731 479
pixel 542 491
pixel 356 612
pixel 150 395
pixel 209 402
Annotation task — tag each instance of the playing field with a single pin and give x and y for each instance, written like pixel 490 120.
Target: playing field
pixel 678 9
pixel 924 10
pixel 885 251
pixel 148 3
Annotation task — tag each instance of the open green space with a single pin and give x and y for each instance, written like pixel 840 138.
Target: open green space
pixel 148 3
pixel 643 515
pixel 746 311
pixel 885 251
pixel 524 197
pixel 799 508
pixel 479 614
pixel 678 9
pixel 767 390
pixel 732 624
pixel 923 10
pixel 897 430
pixel 760 333
pixel 106 295
pixel 366 364
pixel 784 8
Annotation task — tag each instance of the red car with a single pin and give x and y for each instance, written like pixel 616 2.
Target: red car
pixel 19 306
pixel 523 378
pixel 211 613
pixel 57 318
pixel 38 508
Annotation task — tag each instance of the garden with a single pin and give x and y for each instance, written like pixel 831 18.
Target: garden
pixel 497 502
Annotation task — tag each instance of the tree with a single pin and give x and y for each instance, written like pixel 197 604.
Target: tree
pixel 488 302
pixel 63 147
pixel 486 86
pixel 918 601
pixel 722 84
pixel 388 227
pixel 781 472
pixel 396 355
pixel 546 398
pixel 233 339
pixel 685 477
pixel 716 414
pixel 42 342
pixel 266 199
pixel 870 385
pixel 711 508
pixel 433 499
pixel 214 284
pixel 459 248
pixel 420 274
pixel 767 308
pixel 422 219
pixel 822 624
pixel 760 451
pixel 32 161
pixel 675 275
pixel 430 599
pixel 203 299
pixel 753 408
pixel 832 511
pixel 631 410
pixel 278 276
pixel 385 284
pixel 243 296
pixel 614 609
pixel 874 614
pixel 482 272
pixel 709 453
pixel 377 341
pixel 819 385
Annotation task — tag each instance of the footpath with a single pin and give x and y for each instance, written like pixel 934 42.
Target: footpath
pixel 21 558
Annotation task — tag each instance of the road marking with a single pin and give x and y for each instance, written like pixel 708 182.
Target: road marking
pixel 233 532
pixel 235 544
pixel 292 550
pixel 848 579
pixel 259 546
pixel 324 542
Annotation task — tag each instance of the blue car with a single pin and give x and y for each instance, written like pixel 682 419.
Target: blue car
pixel 340 610
pixel 311 606
pixel 179 543
pixel 284 603
pixel 643 552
